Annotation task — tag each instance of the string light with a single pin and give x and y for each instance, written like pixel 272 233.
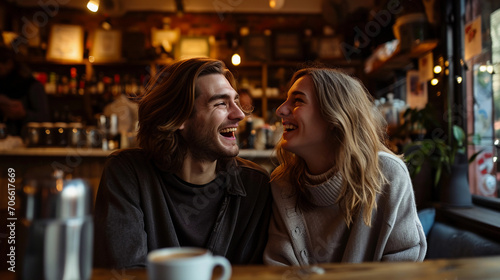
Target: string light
pixel 438 69
pixel 236 59
pixel 434 81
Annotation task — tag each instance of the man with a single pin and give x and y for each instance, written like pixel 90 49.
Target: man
pixel 22 97
pixel 184 186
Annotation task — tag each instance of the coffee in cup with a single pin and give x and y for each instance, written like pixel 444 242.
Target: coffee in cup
pixel 185 263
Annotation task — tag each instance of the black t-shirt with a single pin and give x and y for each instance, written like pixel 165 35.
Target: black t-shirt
pixel 194 209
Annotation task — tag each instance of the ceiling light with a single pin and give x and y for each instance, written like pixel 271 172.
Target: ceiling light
pixel 93 5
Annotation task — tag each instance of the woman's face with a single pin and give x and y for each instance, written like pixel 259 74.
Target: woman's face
pixel 306 132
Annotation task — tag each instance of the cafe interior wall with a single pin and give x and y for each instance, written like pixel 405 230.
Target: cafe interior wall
pixel 223 27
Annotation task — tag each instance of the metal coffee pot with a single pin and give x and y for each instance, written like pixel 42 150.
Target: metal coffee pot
pixel 56 230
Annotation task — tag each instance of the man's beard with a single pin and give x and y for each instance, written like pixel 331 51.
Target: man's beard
pixel 204 147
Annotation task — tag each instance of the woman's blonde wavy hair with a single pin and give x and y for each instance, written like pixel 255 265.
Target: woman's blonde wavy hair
pixel 360 132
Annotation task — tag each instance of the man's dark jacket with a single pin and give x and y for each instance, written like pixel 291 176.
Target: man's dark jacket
pixel 133 211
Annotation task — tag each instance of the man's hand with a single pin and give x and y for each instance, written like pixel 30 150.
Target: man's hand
pixel 11 108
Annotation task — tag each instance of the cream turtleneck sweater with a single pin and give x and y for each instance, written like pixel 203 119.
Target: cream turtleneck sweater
pixel 317 233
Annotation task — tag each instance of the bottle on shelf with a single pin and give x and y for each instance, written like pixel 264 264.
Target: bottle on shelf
pixel 101 85
pixel 116 88
pixel 63 86
pixel 51 85
pixel 92 85
pixel 81 85
pixel 73 81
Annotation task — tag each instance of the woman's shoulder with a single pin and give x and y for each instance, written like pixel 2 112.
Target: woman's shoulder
pixel 396 173
pixel 392 162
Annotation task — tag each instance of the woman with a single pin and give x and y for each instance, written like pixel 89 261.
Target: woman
pixel 340 195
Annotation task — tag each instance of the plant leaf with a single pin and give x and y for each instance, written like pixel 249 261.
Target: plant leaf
pixel 459 135
pixel 473 157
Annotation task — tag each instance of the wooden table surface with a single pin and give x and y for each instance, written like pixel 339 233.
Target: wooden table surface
pixel 471 268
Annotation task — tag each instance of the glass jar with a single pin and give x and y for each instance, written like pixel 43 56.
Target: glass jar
pixel 33 134
pixel 47 134
pixel 61 134
pixel 76 135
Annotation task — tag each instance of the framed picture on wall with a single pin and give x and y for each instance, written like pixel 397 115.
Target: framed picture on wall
pixel 107 46
pixel 65 43
pixel 416 90
pixel 193 46
pixel 287 45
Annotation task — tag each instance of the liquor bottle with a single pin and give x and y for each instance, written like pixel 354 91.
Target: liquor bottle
pixel 92 85
pixel 116 89
pixel 100 84
pixel 73 81
pixel 81 85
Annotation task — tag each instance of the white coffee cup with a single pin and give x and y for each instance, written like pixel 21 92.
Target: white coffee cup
pixel 185 263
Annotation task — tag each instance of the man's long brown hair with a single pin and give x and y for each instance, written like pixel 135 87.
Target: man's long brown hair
pixel 167 103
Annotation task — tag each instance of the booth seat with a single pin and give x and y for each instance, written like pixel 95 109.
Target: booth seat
pixel 445 240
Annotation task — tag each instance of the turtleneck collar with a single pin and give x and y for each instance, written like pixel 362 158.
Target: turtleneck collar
pixel 323 189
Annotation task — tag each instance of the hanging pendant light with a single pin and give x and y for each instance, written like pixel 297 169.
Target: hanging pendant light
pixel 93 5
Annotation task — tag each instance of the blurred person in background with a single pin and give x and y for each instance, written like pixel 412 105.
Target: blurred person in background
pixel 22 97
pixel 247 128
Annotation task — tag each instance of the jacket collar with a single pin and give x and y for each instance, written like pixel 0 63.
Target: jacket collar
pixel 231 172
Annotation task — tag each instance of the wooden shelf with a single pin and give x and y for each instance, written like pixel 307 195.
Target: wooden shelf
pixel 383 69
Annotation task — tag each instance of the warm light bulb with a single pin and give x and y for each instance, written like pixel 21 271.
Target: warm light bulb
pixel 434 81
pixel 236 59
pixel 276 4
pixel 438 69
pixel 459 79
pixel 93 5
pixel 482 68
pixel 489 68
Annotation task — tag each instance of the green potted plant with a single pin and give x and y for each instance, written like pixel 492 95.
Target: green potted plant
pixel 449 162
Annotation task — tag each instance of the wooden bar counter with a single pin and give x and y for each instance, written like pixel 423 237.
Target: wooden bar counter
pixel 83 162
pixel 446 269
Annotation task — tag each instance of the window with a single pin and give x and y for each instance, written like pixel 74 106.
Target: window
pixel 482 54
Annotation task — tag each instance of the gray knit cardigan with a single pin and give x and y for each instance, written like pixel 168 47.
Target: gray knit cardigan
pixel 319 234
